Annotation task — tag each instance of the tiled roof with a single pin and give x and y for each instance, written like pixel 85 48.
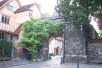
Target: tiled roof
pixel 3 2
pixel 52 18
pixel 24 8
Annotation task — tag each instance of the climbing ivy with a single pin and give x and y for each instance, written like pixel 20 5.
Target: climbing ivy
pixel 5 47
pixel 35 30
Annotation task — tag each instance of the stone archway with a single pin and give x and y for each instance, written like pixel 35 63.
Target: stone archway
pixel 44 50
pixel 75 44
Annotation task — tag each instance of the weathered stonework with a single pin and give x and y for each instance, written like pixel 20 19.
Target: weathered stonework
pixel 75 44
pixel 95 51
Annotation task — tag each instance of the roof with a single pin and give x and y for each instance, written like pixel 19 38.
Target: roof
pixel 3 2
pixel 52 18
pixel 24 8
pixel 17 31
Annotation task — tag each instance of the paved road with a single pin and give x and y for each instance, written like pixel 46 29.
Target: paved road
pixel 55 63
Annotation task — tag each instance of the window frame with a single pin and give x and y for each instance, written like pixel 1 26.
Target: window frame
pixel 16 36
pixel 30 12
pixel 5 19
pixel 11 37
pixel 9 7
pixel 1 36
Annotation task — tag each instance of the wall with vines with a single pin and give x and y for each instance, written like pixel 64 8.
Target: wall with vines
pixel 5 48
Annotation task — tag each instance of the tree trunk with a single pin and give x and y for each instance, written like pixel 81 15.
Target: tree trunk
pixel 44 51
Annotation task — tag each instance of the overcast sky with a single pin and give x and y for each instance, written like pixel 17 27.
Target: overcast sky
pixel 47 6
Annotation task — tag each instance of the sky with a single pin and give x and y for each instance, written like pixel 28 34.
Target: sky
pixel 47 6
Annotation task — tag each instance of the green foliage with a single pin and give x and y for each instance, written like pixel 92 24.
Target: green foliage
pixel 52 54
pixel 100 34
pixel 35 30
pixel 96 36
pixel 5 47
pixel 21 44
pixel 78 11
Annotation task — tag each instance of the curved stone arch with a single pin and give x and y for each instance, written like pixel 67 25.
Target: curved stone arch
pixel 44 51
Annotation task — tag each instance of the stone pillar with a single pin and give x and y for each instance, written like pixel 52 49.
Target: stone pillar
pixel 45 50
pixel 75 44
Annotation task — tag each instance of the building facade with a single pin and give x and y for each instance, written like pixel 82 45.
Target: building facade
pixel 12 16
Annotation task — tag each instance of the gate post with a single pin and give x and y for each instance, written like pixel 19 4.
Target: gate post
pixel 75 43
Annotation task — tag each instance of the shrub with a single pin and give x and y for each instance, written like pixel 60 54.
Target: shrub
pixel 52 54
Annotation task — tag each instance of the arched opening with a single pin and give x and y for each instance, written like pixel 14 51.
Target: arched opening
pixel 56 46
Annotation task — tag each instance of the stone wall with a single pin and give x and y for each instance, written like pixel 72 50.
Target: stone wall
pixel 75 44
pixel 95 51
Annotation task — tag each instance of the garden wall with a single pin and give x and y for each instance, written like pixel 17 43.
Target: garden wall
pixel 75 44
pixel 95 51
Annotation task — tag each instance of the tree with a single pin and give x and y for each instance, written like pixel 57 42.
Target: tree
pixel 100 34
pixel 79 10
pixel 35 31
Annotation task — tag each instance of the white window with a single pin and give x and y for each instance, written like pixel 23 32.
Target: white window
pixel 1 36
pixel 30 12
pixel 11 37
pixel 5 19
pixel 16 37
pixel 9 7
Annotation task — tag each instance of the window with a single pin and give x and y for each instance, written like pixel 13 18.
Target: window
pixel 1 36
pixel 11 37
pixel 9 7
pixel 16 37
pixel 5 19
pixel 30 12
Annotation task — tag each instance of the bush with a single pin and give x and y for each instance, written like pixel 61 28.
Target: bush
pixel 5 48
pixel 52 54
pixel 36 31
